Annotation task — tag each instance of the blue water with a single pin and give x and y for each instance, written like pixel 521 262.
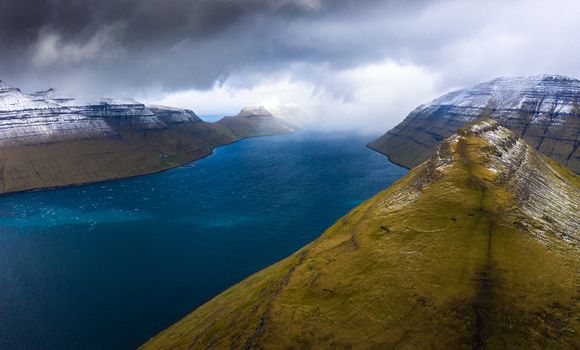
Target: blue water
pixel 212 118
pixel 106 266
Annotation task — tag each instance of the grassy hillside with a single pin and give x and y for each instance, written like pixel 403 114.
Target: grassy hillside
pixel 130 152
pixel 475 248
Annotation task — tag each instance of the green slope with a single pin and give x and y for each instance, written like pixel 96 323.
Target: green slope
pixel 475 248
pixel 131 152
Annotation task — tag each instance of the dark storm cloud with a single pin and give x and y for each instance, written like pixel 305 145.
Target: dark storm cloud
pixel 175 44
pixel 131 47
pixel 22 20
pixel 144 23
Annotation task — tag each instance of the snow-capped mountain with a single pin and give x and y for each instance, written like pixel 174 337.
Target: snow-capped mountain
pixel 289 113
pixel 544 109
pixel 44 116
pixel 47 140
pixel 28 118
pixel 255 111
pixel 554 94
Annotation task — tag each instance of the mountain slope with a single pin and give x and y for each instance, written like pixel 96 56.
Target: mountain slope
pixel 544 109
pixel 50 141
pixel 475 248
pixel 256 121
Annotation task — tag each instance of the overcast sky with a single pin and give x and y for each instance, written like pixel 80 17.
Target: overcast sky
pixel 348 63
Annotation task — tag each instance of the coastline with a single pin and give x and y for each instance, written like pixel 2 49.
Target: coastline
pixel 388 157
pixel 208 152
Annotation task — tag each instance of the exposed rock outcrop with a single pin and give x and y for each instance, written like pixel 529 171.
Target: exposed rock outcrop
pixel 544 110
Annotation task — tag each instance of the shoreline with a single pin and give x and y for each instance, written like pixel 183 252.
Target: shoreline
pixel 388 157
pixel 208 154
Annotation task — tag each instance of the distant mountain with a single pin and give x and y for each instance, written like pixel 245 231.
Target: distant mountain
pixel 475 248
pixel 255 111
pixel 543 109
pixel 51 141
pixel 257 121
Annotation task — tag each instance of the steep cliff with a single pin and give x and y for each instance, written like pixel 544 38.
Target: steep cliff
pixel 50 141
pixel 478 247
pixel 544 110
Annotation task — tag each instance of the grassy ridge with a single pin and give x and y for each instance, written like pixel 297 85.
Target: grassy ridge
pixel 132 152
pixel 434 261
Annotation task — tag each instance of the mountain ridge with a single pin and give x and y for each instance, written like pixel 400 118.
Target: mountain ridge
pixel 456 254
pixel 544 109
pixel 49 141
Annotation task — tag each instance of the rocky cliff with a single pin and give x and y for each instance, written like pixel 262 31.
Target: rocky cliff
pixel 544 110
pixel 478 247
pixel 51 141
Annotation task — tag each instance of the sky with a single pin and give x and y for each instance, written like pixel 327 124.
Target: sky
pixel 346 64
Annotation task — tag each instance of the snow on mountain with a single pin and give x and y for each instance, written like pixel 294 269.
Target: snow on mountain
pixel 549 94
pixel 171 115
pixel 290 114
pixel 547 205
pixel 543 109
pixel 475 248
pixel 28 118
pixel 12 99
pixel 44 115
pixel 255 111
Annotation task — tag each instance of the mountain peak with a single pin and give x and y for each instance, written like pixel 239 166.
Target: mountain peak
pixel 6 87
pixel 522 181
pixel 478 144
pixel 534 78
pixel 543 109
pixel 47 94
pixel 473 248
pixel 255 111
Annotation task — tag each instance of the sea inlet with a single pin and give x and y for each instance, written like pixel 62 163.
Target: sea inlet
pixel 109 265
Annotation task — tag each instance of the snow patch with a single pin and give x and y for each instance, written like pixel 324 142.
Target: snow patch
pixel 44 115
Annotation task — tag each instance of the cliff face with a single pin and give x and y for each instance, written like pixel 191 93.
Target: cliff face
pixel 33 119
pixel 544 110
pixel 49 141
pixel 475 248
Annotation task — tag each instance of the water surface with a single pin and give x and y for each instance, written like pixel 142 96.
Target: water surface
pixel 108 265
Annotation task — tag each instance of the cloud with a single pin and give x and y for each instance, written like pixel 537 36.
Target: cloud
pixel 346 53
pixel 309 5
pixel 354 98
pixel 51 49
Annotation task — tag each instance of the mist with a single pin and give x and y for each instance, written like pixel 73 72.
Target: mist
pixel 344 64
